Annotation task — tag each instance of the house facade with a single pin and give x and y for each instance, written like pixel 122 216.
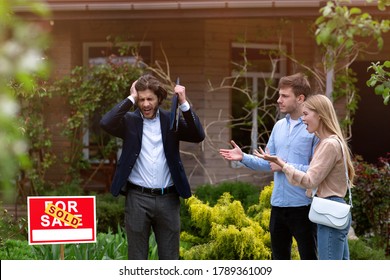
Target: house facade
pixel 200 40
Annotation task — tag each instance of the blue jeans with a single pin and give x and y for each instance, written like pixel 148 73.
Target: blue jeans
pixel 332 242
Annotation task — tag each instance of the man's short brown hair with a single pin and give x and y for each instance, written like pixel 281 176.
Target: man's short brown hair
pixel 298 83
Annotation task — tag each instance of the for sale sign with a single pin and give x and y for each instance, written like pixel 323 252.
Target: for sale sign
pixel 61 219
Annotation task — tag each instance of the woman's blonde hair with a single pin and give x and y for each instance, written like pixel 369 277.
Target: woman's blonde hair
pixel 324 108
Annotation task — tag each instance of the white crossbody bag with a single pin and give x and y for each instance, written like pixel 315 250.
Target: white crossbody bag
pixel 328 212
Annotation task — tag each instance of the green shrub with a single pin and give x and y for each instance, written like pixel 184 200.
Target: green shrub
pixel 371 200
pixel 13 249
pixel 108 246
pixel 110 212
pixel 359 250
pixel 261 211
pixel 11 228
pixel 71 188
pixel 223 231
pixel 246 193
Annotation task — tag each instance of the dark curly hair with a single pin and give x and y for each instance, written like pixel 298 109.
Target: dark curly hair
pixel 148 81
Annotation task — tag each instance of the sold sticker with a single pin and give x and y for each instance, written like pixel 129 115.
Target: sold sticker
pixel 62 215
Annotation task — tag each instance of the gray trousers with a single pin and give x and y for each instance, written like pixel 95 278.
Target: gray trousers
pixel 161 213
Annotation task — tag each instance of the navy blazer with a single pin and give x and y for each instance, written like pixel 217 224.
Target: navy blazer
pixel 122 123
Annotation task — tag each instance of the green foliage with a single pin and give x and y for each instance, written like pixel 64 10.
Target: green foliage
pixel 382 4
pixel 71 188
pixel 91 92
pixel 246 193
pixel 380 79
pixel 21 50
pixel 339 27
pixel 242 191
pixel 11 228
pixel 360 250
pixel 201 214
pixel 235 243
pixel 110 212
pixel 343 32
pixel 371 199
pixel 264 198
pixel 225 232
pixel 14 249
pixel 114 247
pixel 261 211
pixel 108 246
pixel 32 104
pixel 153 252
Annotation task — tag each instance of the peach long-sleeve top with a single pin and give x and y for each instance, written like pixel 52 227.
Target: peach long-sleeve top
pixel 326 170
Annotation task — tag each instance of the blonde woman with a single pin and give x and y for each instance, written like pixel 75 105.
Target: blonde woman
pixel 326 171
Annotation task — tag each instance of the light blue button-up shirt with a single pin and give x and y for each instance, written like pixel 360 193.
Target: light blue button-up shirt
pixel 297 149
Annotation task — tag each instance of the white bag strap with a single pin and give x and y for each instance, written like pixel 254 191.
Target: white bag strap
pixel 346 174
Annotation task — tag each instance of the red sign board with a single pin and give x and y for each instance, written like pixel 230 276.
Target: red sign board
pixel 61 219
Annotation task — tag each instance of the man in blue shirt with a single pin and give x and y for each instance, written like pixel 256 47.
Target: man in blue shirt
pixel 290 141
pixel 150 172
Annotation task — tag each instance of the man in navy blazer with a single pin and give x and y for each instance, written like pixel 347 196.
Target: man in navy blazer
pixel 150 172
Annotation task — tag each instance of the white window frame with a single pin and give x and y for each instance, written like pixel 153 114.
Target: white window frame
pixel 255 76
pixel 261 75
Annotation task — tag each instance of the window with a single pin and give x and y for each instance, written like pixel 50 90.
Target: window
pixel 258 68
pixel 96 54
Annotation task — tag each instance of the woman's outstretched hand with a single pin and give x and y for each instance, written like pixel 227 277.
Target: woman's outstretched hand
pixel 266 156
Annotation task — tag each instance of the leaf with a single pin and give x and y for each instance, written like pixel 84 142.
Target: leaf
pixel 386 99
pixel 340 40
pixel 327 11
pixel 371 82
pixel 319 20
pixel 379 89
pixel 324 36
pixel 380 42
pixel 355 11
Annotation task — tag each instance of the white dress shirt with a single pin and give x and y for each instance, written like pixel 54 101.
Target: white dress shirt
pixel 151 168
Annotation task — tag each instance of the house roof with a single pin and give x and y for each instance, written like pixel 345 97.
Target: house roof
pixel 105 9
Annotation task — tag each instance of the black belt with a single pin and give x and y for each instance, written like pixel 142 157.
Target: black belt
pixel 154 191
